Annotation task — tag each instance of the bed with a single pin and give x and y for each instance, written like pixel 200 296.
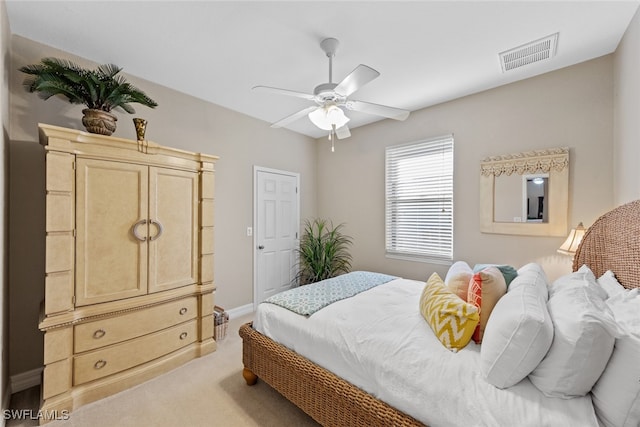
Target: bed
pixel 611 243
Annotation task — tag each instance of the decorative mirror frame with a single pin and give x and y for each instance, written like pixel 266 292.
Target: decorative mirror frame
pixel 555 162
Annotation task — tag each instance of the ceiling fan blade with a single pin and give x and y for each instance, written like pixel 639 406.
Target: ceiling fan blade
pixel 343 132
pixel 287 92
pixel 295 116
pixel 378 110
pixel 356 79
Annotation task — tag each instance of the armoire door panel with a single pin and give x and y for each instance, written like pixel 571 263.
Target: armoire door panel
pixel 173 217
pixel 111 261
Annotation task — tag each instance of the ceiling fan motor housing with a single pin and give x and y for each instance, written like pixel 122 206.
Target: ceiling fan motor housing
pixel 325 93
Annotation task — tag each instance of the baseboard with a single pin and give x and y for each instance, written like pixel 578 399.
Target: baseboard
pixel 25 380
pixel 240 311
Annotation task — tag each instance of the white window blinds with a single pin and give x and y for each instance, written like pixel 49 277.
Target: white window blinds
pixel 419 200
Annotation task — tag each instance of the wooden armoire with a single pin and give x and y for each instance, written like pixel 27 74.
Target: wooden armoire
pixel 129 286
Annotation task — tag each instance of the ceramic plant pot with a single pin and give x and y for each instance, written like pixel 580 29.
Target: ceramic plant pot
pixel 98 121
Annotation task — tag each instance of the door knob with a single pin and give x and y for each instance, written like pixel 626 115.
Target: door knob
pixel 261 247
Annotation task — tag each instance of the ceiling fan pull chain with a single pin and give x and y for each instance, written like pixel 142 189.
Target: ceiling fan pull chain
pixel 332 137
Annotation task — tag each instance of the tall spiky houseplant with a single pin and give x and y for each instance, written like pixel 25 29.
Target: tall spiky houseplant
pixel 323 252
pixel 101 90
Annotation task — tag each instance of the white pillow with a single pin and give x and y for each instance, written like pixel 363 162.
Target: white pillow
pixel 458 278
pixel 584 334
pixel 626 309
pixel 584 277
pixel 610 284
pixel 616 394
pixel 531 274
pixel 517 336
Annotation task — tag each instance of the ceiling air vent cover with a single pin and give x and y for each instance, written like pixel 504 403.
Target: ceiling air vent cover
pixel 529 53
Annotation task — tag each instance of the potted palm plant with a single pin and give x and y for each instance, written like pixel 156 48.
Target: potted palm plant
pixel 101 90
pixel 323 252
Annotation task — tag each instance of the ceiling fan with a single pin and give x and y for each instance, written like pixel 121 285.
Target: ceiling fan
pixel 332 98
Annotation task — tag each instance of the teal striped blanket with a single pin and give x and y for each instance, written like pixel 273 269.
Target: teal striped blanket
pixel 308 299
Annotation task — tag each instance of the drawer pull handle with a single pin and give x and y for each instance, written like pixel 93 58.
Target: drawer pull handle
pixel 100 364
pixel 183 310
pixel 99 334
pixel 134 230
pixel 183 335
pixel 160 229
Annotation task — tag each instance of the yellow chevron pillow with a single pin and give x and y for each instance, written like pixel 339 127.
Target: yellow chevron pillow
pixel 450 317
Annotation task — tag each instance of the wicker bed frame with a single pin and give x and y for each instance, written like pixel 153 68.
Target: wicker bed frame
pixel 611 243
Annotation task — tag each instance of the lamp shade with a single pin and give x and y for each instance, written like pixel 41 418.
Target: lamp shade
pixel 325 117
pixel 570 246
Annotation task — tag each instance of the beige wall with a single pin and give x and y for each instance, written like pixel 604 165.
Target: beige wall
pixel 180 121
pixel 5 37
pixel 570 107
pixel 626 149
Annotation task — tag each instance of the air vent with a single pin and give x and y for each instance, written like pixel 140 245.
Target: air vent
pixel 536 51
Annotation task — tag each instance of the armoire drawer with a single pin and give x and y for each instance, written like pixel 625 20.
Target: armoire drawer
pixel 118 357
pixel 103 332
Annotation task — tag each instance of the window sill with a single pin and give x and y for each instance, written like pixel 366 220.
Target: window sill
pixel 419 258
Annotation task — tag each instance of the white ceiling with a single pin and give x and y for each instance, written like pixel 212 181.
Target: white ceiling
pixel 426 51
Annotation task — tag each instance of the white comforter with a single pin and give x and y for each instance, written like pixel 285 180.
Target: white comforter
pixel 379 341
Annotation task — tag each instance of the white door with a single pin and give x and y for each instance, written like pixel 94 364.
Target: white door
pixel 276 224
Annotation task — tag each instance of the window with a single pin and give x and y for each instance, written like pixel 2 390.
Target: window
pixel 419 200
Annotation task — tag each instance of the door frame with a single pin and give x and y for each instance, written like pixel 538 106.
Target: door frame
pixel 254 246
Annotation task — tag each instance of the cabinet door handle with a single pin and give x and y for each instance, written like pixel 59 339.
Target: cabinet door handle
pixel 160 229
pixel 183 335
pixel 99 333
pixel 183 310
pixel 100 364
pixel 134 230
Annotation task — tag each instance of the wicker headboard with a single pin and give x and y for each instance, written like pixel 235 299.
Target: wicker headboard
pixel 613 243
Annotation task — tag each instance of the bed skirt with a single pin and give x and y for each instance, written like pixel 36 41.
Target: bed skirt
pixel 328 399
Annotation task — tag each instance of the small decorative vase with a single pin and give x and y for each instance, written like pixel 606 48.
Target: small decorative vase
pixel 98 121
pixel 141 127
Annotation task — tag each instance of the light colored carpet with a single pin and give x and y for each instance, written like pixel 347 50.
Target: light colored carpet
pixel 208 391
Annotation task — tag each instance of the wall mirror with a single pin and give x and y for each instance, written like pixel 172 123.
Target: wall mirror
pixel 525 193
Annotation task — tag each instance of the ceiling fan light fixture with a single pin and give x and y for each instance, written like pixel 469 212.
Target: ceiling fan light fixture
pixel 336 116
pixel 328 116
pixel 331 98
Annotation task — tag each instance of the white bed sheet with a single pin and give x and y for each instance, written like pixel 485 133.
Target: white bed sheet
pixel 379 341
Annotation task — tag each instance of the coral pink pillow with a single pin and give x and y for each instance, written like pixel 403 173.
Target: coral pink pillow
pixel 458 278
pixel 485 289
